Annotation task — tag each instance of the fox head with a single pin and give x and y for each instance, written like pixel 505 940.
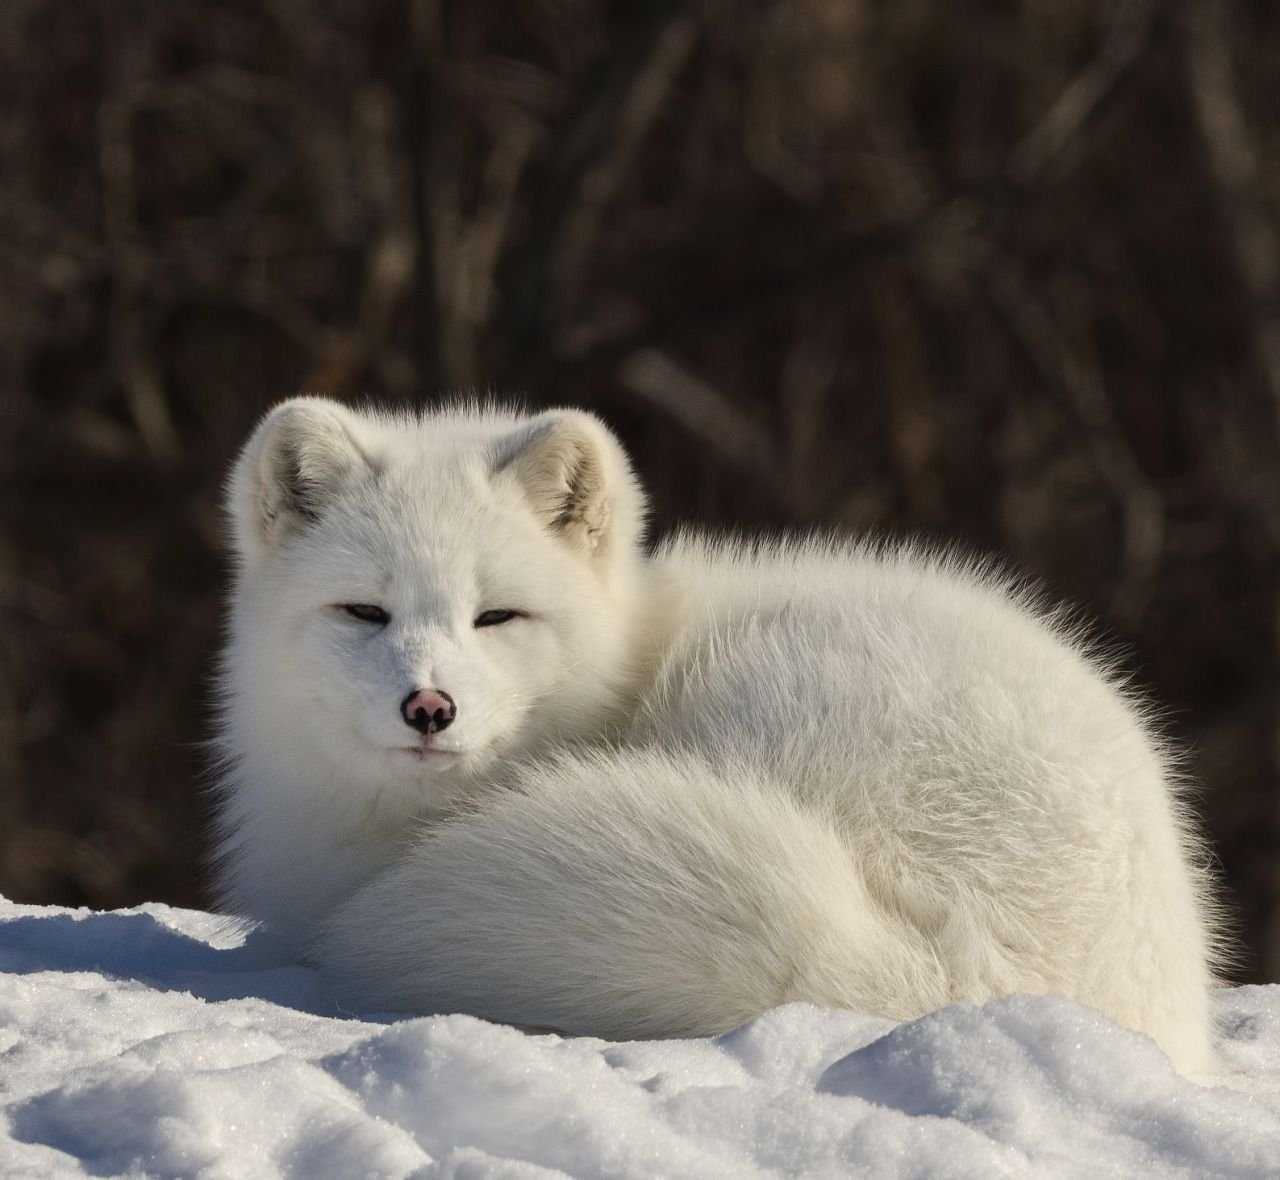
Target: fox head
pixel 419 596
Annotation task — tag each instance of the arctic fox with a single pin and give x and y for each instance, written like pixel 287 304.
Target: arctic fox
pixel 486 753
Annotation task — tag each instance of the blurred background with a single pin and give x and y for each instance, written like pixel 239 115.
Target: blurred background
pixel 1005 272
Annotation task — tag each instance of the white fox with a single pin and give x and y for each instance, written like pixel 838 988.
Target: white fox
pixel 485 753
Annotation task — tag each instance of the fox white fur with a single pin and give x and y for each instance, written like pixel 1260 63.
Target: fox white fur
pixel 682 786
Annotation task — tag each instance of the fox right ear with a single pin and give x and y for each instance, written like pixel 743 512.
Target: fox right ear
pixel 297 459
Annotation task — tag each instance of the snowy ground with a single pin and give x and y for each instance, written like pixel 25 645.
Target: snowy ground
pixel 147 1042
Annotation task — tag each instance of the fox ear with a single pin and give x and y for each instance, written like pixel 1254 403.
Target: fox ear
pixel 576 477
pixel 293 465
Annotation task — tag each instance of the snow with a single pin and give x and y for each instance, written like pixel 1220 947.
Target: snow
pixel 161 1042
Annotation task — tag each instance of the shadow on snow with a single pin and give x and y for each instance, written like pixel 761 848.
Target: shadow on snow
pixel 142 948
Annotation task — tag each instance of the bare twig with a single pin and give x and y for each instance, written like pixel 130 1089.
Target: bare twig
pixel 1233 159
pixel 808 375
pixel 702 410
pixel 645 101
pixel 1048 144
pixel 488 229
pixel 131 355
pixel 1082 385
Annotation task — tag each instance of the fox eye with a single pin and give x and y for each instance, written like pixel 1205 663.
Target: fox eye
pixel 494 618
pixel 366 613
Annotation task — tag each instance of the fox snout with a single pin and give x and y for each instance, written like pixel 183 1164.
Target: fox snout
pixel 428 710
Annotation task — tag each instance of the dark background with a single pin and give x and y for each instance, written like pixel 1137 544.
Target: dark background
pixel 1004 272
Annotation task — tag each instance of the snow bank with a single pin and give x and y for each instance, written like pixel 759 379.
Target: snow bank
pixel 155 1041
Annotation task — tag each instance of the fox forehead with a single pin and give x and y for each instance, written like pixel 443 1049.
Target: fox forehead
pixel 428 533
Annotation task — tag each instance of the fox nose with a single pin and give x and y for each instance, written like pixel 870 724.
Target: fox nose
pixel 428 710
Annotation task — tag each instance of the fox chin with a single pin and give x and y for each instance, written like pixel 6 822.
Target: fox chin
pixel 486 751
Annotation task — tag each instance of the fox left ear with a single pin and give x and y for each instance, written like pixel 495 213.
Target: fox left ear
pixel 576 477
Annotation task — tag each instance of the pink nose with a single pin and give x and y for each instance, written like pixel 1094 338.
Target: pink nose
pixel 428 710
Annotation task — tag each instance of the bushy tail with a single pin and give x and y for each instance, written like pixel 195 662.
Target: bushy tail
pixel 627 895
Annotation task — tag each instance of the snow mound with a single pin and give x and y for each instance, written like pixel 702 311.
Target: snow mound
pixel 162 1042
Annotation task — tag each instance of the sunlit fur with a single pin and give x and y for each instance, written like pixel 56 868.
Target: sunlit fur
pixel 692 784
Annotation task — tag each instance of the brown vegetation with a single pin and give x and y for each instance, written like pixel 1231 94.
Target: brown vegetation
pixel 1005 272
